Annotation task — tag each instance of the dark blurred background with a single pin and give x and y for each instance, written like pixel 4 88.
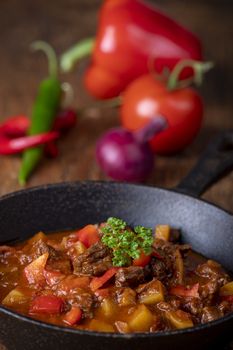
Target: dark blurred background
pixel 62 23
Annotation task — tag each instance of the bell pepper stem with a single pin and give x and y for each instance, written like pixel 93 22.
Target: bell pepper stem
pixel 77 52
pixel 50 53
pixel 199 68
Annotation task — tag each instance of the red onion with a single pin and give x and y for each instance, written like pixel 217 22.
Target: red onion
pixel 125 155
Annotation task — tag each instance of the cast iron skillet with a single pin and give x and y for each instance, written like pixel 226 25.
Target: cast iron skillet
pixel 208 228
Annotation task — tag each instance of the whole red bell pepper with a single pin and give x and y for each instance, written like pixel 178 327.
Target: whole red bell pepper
pixel 132 35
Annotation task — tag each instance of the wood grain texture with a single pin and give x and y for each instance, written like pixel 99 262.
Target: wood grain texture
pixel 62 22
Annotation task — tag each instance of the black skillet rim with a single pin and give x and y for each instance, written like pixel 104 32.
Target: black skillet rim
pixel 21 317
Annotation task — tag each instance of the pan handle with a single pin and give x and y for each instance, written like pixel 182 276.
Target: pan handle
pixel 216 160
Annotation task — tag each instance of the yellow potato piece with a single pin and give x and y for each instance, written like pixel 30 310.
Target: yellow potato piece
pixel 163 232
pixel 227 289
pixel 34 271
pixel 16 296
pixel 107 308
pixel 100 326
pixel 141 319
pixel 179 266
pixel 37 237
pixel 122 327
pixel 153 295
pixel 79 248
pixel 179 319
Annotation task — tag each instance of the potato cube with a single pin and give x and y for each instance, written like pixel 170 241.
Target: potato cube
pixel 179 319
pixel 79 248
pixel 100 326
pixel 16 296
pixel 34 272
pixel 107 308
pixel 141 319
pixel 227 289
pixel 37 237
pixel 122 327
pixel 163 232
pixel 152 293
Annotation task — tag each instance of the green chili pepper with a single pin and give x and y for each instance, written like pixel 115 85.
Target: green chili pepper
pixel 44 111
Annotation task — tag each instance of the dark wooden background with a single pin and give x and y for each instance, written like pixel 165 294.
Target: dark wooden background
pixel 62 22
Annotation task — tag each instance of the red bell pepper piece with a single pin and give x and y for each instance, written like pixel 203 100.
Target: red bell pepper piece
pixel 46 304
pixel 130 34
pixel 73 316
pixel 102 293
pixel 181 291
pixel 157 255
pixel 88 235
pixel 143 260
pixel 19 144
pixel 98 282
pixel 228 298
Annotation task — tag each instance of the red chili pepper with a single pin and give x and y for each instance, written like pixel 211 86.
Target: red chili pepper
pixel 15 126
pixel 51 150
pixel 17 145
pixel 130 34
pixel 65 120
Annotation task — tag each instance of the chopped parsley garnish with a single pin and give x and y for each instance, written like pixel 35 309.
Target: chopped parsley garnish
pixel 126 244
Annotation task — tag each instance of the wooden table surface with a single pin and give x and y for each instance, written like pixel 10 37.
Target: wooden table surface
pixel 62 22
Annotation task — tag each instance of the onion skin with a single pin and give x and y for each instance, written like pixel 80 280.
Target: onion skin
pixel 122 158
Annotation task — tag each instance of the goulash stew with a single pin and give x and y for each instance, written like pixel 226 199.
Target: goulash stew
pixel 113 278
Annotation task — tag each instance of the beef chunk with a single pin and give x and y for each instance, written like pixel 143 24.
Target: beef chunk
pixel 215 276
pixel 57 260
pixel 209 288
pixel 175 235
pixel 160 270
pixel 167 249
pixel 95 261
pixel 129 276
pixel 171 262
pixel 61 263
pixel 225 307
pixel 192 305
pixel 165 306
pixel 214 271
pixel 210 313
pixel 40 247
pixel 125 296
pixel 84 300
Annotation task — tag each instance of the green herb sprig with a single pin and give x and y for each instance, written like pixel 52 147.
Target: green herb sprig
pixel 126 244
